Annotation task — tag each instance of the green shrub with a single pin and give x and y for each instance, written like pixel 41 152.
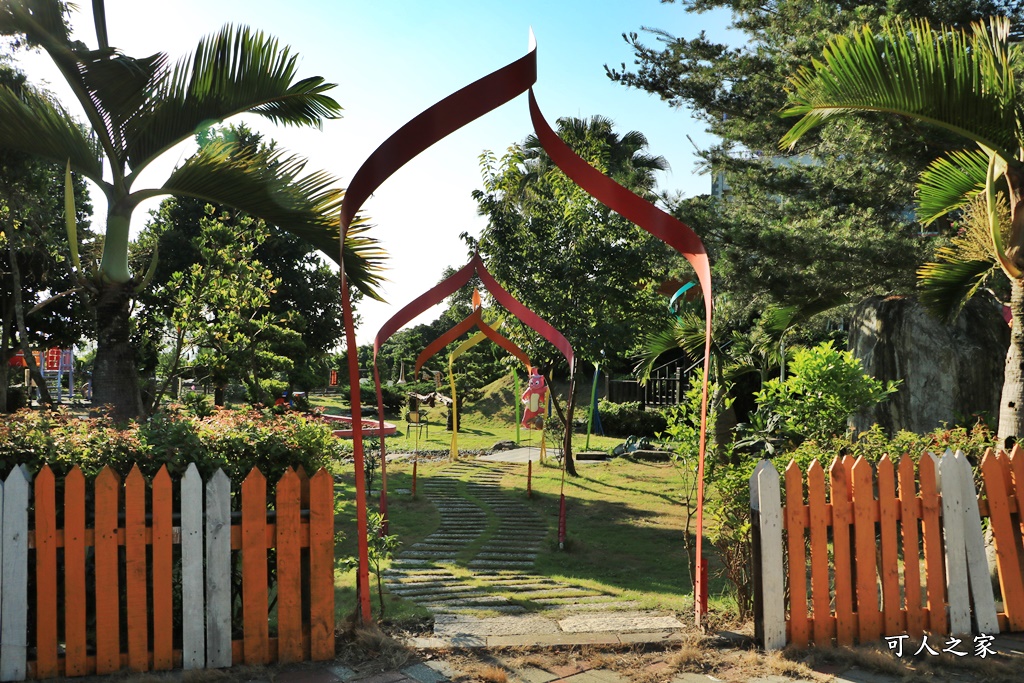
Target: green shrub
pixel 627 419
pixel 235 441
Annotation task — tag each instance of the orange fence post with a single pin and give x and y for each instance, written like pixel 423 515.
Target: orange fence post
pixel 934 562
pixel 824 623
pixel 846 625
pixel 108 606
pixel 75 662
pixel 163 565
pixel 46 574
pixel 135 570
pixel 910 513
pixel 289 566
pixel 888 514
pixel 1003 530
pixel 799 628
pixel 256 646
pixel 321 565
pixel 869 617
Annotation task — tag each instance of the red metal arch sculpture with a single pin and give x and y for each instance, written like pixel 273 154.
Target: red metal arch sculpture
pixel 474 319
pixel 443 118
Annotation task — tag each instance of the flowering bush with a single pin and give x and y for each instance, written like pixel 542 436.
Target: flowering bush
pixel 235 441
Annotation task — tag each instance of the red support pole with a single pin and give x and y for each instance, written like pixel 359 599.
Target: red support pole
pixel 529 479
pixel 561 523
pixel 363 571
pixel 414 478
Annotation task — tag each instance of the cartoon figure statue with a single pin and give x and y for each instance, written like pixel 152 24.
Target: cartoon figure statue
pixel 534 401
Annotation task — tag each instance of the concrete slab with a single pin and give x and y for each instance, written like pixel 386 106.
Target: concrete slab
pixel 596 676
pixel 592 624
pixel 424 674
pixel 532 674
pixel 494 626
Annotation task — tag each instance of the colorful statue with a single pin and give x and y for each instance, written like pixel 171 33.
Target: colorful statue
pixel 534 401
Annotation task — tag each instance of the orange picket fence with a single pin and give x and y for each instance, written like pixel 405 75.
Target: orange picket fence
pixel 865 552
pixel 146 588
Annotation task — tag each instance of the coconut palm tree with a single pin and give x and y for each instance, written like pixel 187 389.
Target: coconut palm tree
pixel 139 108
pixel 966 83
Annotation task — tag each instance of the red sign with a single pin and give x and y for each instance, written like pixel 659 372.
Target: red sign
pixel 334 378
pixel 17 360
pixel 58 359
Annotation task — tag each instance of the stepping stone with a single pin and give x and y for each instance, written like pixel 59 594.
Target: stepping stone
pixel 581 600
pixel 429 554
pixel 507 556
pixel 498 563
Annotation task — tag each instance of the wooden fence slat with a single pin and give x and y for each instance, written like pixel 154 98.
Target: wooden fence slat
pixel 46 574
pixel 893 618
pixel 799 628
pixel 107 488
pixel 772 588
pixel 982 597
pixel 289 568
pixel 1011 583
pixel 911 561
pixel 842 517
pixel 956 551
pixel 75 661
pixel 192 598
pixel 256 647
pixel 321 565
pixel 755 551
pixel 869 617
pixel 218 571
pixel 135 570
pixel 14 567
pixel 934 562
pixel 824 624
pixel 163 570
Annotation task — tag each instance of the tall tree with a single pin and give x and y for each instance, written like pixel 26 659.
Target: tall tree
pixel 964 82
pixel 586 270
pixel 138 108
pixel 829 222
pixel 31 264
pixel 306 295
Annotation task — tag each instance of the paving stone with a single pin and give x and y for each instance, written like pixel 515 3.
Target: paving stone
pixel 499 563
pixel 507 556
pixel 442 667
pixel 649 637
pixel 342 672
pixel 386 677
pixel 307 674
pixel 532 674
pixel 495 626
pixel 689 677
pixel 597 676
pixel 424 674
pixel 593 624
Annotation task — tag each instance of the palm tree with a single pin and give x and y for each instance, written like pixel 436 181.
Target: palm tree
pixel 966 83
pixel 139 108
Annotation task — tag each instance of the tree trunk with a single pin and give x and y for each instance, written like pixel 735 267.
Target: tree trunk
pixel 19 319
pixel 5 353
pixel 566 417
pixel 115 379
pixel 1011 404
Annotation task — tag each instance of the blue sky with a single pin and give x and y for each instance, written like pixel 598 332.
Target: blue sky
pixel 391 59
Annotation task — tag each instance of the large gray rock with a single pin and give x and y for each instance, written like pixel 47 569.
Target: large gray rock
pixel 949 370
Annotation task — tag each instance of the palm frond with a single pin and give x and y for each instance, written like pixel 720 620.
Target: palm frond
pixel 685 332
pixel 234 71
pixel 961 82
pixel 950 183
pixel 946 285
pixel 268 184
pixel 32 123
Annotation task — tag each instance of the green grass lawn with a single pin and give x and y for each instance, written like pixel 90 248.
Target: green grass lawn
pixel 625 524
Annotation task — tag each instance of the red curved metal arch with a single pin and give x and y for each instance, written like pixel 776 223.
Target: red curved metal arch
pixel 474 319
pixel 676 234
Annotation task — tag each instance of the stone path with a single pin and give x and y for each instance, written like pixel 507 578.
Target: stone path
pixel 482 555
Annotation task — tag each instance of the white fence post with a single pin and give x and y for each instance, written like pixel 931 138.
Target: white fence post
pixel 14 567
pixel 192 607
pixel 769 505
pixel 218 571
pixel 982 596
pixel 952 490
